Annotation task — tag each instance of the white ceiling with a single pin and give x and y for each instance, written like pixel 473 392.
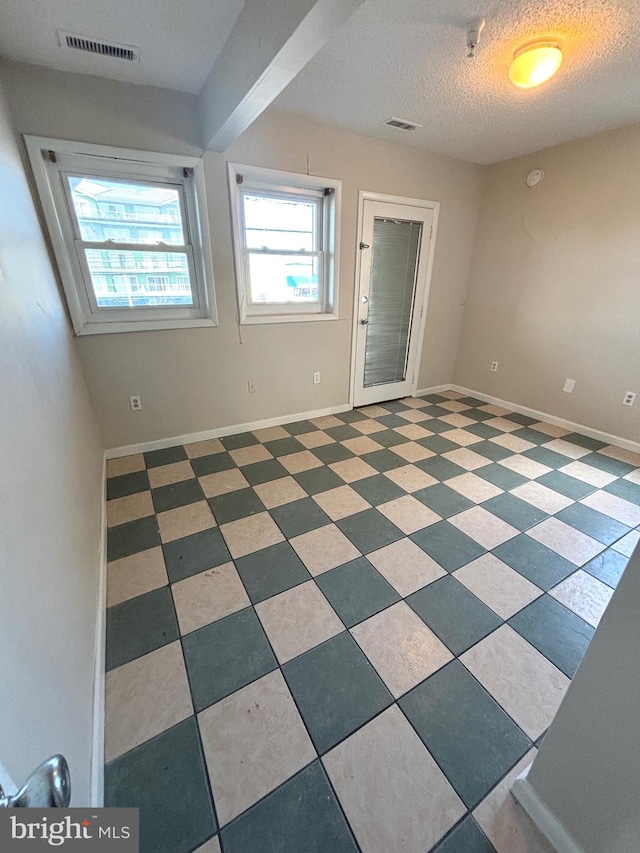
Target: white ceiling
pixel 179 39
pixel 405 58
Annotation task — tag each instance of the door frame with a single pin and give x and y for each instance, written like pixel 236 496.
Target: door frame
pixel 366 195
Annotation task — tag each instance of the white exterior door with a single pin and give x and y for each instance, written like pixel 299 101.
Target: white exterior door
pixel 395 262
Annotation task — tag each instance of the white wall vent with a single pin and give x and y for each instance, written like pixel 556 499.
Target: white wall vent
pixel 112 49
pixel 401 124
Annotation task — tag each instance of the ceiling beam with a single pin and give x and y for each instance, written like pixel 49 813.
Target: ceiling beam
pixel 269 45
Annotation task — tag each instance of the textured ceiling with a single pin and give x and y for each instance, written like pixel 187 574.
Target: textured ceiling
pixel 179 39
pixel 407 58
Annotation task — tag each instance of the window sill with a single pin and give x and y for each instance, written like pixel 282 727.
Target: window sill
pixel 287 318
pixel 142 326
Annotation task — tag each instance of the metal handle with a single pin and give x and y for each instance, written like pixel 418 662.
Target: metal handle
pixel 48 786
pixel 364 322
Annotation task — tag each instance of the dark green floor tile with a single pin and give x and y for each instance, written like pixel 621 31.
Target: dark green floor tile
pixel 329 453
pixel 584 441
pixel 155 458
pixel 126 539
pixel 607 567
pixel 434 398
pixel 625 489
pixel 127 484
pixel 235 505
pixel 516 512
pixel 467 837
pixel 299 517
pixel 593 523
pixel 384 460
pixel 392 421
pixel 547 457
pixel 483 430
pixel 342 433
pixel 436 411
pixel 270 571
pixel 479 416
pixel 300 427
pixel 212 464
pixel 356 591
pixel 177 494
pixel 443 500
pixel 389 438
pixel 284 446
pixel 369 530
pixel 395 406
pixel 196 553
pixel 436 426
pixel 351 417
pixel 470 401
pixel 534 561
pixel 140 625
pixel 555 631
pixel 441 469
pixel 438 443
pixel 378 489
pixel 166 779
pixel 318 480
pixel 226 655
pixel 517 418
pixel 568 486
pixel 235 442
pixel 473 740
pixel 606 463
pixel 264 472
pixel 301 815
pixel 491 450
pixel 532 435
pixel 336 690
pixel 447 545
pixel 500 476
pixel 453 613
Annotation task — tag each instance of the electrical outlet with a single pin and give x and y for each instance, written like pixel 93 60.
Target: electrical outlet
pixel 136 403
pixel 252 386
pixel 569 385
pixel 316 377
pixel 629 398
pixel 494 366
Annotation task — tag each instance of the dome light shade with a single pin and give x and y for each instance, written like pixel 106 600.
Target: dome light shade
pixel 535 63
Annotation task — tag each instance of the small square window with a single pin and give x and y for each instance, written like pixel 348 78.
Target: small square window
pixel 285 237
pixel 130 236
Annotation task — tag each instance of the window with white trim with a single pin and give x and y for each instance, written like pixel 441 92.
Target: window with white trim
pixel 285 229
pixel 130 235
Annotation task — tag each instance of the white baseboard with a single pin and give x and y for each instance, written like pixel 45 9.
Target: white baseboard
pixel 551 419
pixel 547 822
pixel 97 746
pixel 220 432
pixel 436 389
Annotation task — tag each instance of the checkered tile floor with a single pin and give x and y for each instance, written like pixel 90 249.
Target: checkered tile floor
pixel 351 633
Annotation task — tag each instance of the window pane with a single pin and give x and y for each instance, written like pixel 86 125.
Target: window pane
pixel 283 278
pixel 280 223
pixel 126 212
pixel 136 279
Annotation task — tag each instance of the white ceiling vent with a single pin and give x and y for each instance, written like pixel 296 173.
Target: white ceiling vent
pixel 112 49
pixel 401 124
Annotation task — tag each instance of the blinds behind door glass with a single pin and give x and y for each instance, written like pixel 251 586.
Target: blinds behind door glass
pixel 391 290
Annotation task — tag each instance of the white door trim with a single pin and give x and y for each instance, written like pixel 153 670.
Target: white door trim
pixel 366 195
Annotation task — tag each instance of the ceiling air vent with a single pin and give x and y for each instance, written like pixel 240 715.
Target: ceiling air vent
pixel 401 124
pixel 112 49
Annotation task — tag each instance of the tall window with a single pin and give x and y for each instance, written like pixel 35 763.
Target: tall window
pixel 130 236
pixel 285 238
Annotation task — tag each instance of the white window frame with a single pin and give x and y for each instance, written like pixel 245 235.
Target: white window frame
pixel 287 184
pixel 144 167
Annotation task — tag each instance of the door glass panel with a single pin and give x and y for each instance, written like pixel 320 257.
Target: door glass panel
pixel 394 266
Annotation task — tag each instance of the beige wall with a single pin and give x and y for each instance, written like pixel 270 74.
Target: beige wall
pixel 196 379
pixel 554 291
pixel 51 472
pixel 588 769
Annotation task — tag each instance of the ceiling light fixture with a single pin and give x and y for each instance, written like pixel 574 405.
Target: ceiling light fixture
pixel 534 63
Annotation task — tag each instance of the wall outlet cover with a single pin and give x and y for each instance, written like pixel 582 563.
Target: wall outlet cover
pixel 569 385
